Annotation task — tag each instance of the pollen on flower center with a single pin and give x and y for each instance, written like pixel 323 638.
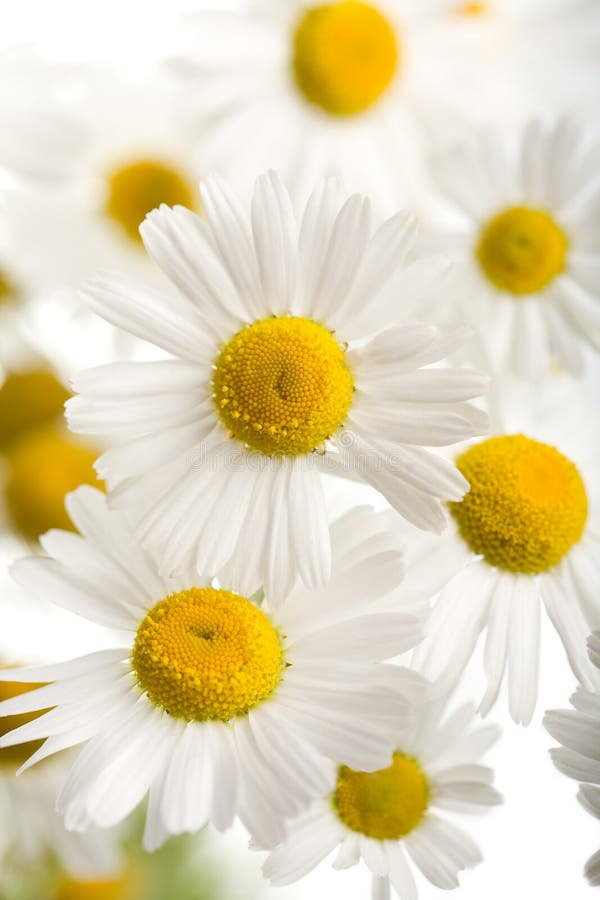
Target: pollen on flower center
pixel 527 504
pixel 13 757
pixel 8 291
pixel 522 250
pixel 385 805
pixel 205 654
pixel 282 385
pixel 345 56
pixel 43 466
pixel 140 186
pixel 474 8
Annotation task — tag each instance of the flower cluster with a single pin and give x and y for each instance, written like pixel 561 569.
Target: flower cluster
pixel 328 330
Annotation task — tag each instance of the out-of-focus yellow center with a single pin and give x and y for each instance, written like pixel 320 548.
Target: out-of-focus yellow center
pixel 140 186
pixel 522 250
pixel 345 56
pixel 117 889
pixel 205 654
pixel 282 385
pixel 43 466
pixel 472 9
pixel 27 400
pixel 8 290
pixel 526 507
pixel 14 757
pixel 385 805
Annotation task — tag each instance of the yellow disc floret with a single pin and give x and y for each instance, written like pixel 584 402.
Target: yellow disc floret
pixel 138 187
pixel 522 250
pixel 473 8
pixel 43 466
pixel 345 56
pixel 207 654
pixel 113 889
pixel 384 805
pixel 13 757
pixel 526 507
pixel 8 290
pixel 282 385
pixel 28 399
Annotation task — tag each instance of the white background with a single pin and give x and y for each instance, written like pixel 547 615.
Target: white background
pixel 536 844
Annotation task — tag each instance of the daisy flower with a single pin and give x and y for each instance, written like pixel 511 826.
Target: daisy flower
pixel 285 364
pixel 241 702
pixel 130 153
pixel 578 731
pixel 527 531
pixel 39 460
pixel 32 831
pixel 525 237
pixel 352 88
pixel 382 816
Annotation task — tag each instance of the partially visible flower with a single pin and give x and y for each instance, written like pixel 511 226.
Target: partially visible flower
pixel 383 817
pixel 287 364
pixel 525 240
pixel 525 534
pixel 241 702
pixel 32 833
pixel 41 461
pixel 130 154
pixel 578 731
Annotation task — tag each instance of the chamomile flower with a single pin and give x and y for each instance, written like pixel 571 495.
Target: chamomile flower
pixel 241 703
pixel 381 817
pixel 32 832
pixel 578 730
pixel 130 154
pixel 39 460
pixel 357 88
pixel 526 239
pixel 274 380
pixel 526 534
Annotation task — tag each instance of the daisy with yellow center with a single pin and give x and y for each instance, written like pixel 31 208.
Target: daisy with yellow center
pixel 578 757
pixel 241 703
pixel 364 87
pixel 287 364
pixel 129 153
pixel 527 246
pixel 41 461
pixel 525 532
pixel 32 832
pixel 391 816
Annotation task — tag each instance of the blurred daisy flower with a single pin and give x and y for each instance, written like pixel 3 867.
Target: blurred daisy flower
pixel 526 240
pixel 578 730
pixel 32 832
pixel 274 381
pixel 381 817
pixel 39 460
pixel 241 702
pixel 353 88
pixel 130 153
pixel 526 531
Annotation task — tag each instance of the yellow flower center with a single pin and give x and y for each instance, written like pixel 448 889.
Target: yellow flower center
pixel 472 9
pixel 526 506
pixel 14 757
pixel 43 466
pixel 138 187
pixel 29 399
pixel 522 250
pixel 207 654
pixel 282 386
pixel 8 290
pixel 385 805
pixel 345 56
pixel 116 889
